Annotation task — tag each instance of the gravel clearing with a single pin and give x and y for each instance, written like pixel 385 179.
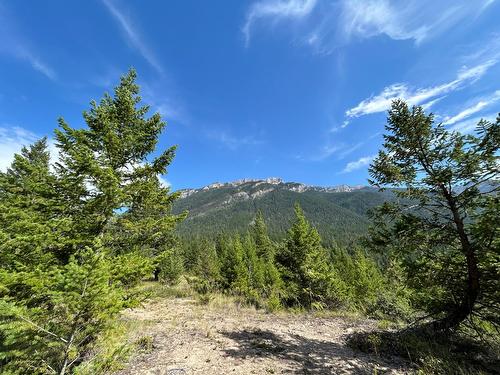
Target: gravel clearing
pixel 186 337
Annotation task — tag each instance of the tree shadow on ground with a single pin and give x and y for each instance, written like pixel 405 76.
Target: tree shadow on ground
pixel 304 355
pixel 434 352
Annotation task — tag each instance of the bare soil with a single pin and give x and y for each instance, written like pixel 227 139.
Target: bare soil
pixel 184 337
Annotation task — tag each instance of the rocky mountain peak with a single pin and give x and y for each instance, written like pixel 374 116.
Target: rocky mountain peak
pixel 260 187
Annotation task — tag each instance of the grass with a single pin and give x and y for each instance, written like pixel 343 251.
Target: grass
pixel 432 354
pixel 157 290
pixel 110 352
pixel 113 348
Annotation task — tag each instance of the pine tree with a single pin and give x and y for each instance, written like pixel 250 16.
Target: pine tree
pixel 266 251
pixel 207 271
pixel 264 246
pixel 230 257
pixel 78 238
pixel 304 265
pixel 241 283
pixel 170 266
pixel 31 227
pixel 253 269
pixel 447 181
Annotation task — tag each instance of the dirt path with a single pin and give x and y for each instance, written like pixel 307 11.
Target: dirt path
pixel 189 338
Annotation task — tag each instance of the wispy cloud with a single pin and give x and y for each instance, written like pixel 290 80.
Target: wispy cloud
pixel 12 139
pixel 330 24
pixel 324 153
pixel 132 35
pixel 275 10
pixel 382 102
pixel 339 150
pixel 479 106
pixel 14 44
pixel 358 164
pixel 164 182
pixel 163 100
pixel 232 142
pixel 368 18
pixel 36 63
pixel 344 125
pixel 469 125
pixel 415 20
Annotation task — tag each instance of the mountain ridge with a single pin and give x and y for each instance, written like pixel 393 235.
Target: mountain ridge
pixel 338 212
pixel 293 186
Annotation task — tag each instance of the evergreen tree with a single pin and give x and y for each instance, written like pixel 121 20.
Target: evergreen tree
pixel 264 246
pixel 67 259
pixel 241 283
pixel 208 269
pixel 266 251
pixel 230 257
pixel 304 265
pixel 449 181
pixel 253 269
pixel 170 266
pixel 53 328
pixel 31 227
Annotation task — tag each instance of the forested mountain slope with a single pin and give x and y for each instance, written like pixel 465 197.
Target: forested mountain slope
pixel 339 213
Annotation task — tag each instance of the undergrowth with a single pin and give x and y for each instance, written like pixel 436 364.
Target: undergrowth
pixel 439 354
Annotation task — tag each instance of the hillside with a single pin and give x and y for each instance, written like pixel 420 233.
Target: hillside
pixel 339 213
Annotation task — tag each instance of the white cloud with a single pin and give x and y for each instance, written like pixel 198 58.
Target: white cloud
pixel 325 152
pixel 368 18
pixel 382 102
pixel 469 125
pixel 275 10
pixel 133 35
pixel 342 126
pixel 340 150
pixel 13 44
pixel 480 105
pixel 232 142
pixel 415 20
pixel 429 104
pixel 37 64
pixel 327 25
pixel 12 140
pixel 163 100
pixel 164 182
pixel 360 163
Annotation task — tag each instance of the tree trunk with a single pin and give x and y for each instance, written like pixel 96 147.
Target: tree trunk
pixel 465 307
pixel 66 353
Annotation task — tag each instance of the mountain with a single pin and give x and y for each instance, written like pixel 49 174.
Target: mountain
pixel 339 213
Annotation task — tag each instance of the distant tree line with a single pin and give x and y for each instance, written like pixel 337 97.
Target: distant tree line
pixel 296 272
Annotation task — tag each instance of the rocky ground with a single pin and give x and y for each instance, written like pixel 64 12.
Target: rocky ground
pixel 180 336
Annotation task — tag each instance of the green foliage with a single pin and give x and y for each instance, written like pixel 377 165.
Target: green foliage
pixel 299 272
pixel 77 238
pixel 129 268
pixel 340 218
pixel 54 326
pixel 170 265
pixel 305 268
pixel 444 226
pixel 207 269
pixel 435 353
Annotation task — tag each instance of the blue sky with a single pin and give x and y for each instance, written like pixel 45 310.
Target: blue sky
pixel 296 89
